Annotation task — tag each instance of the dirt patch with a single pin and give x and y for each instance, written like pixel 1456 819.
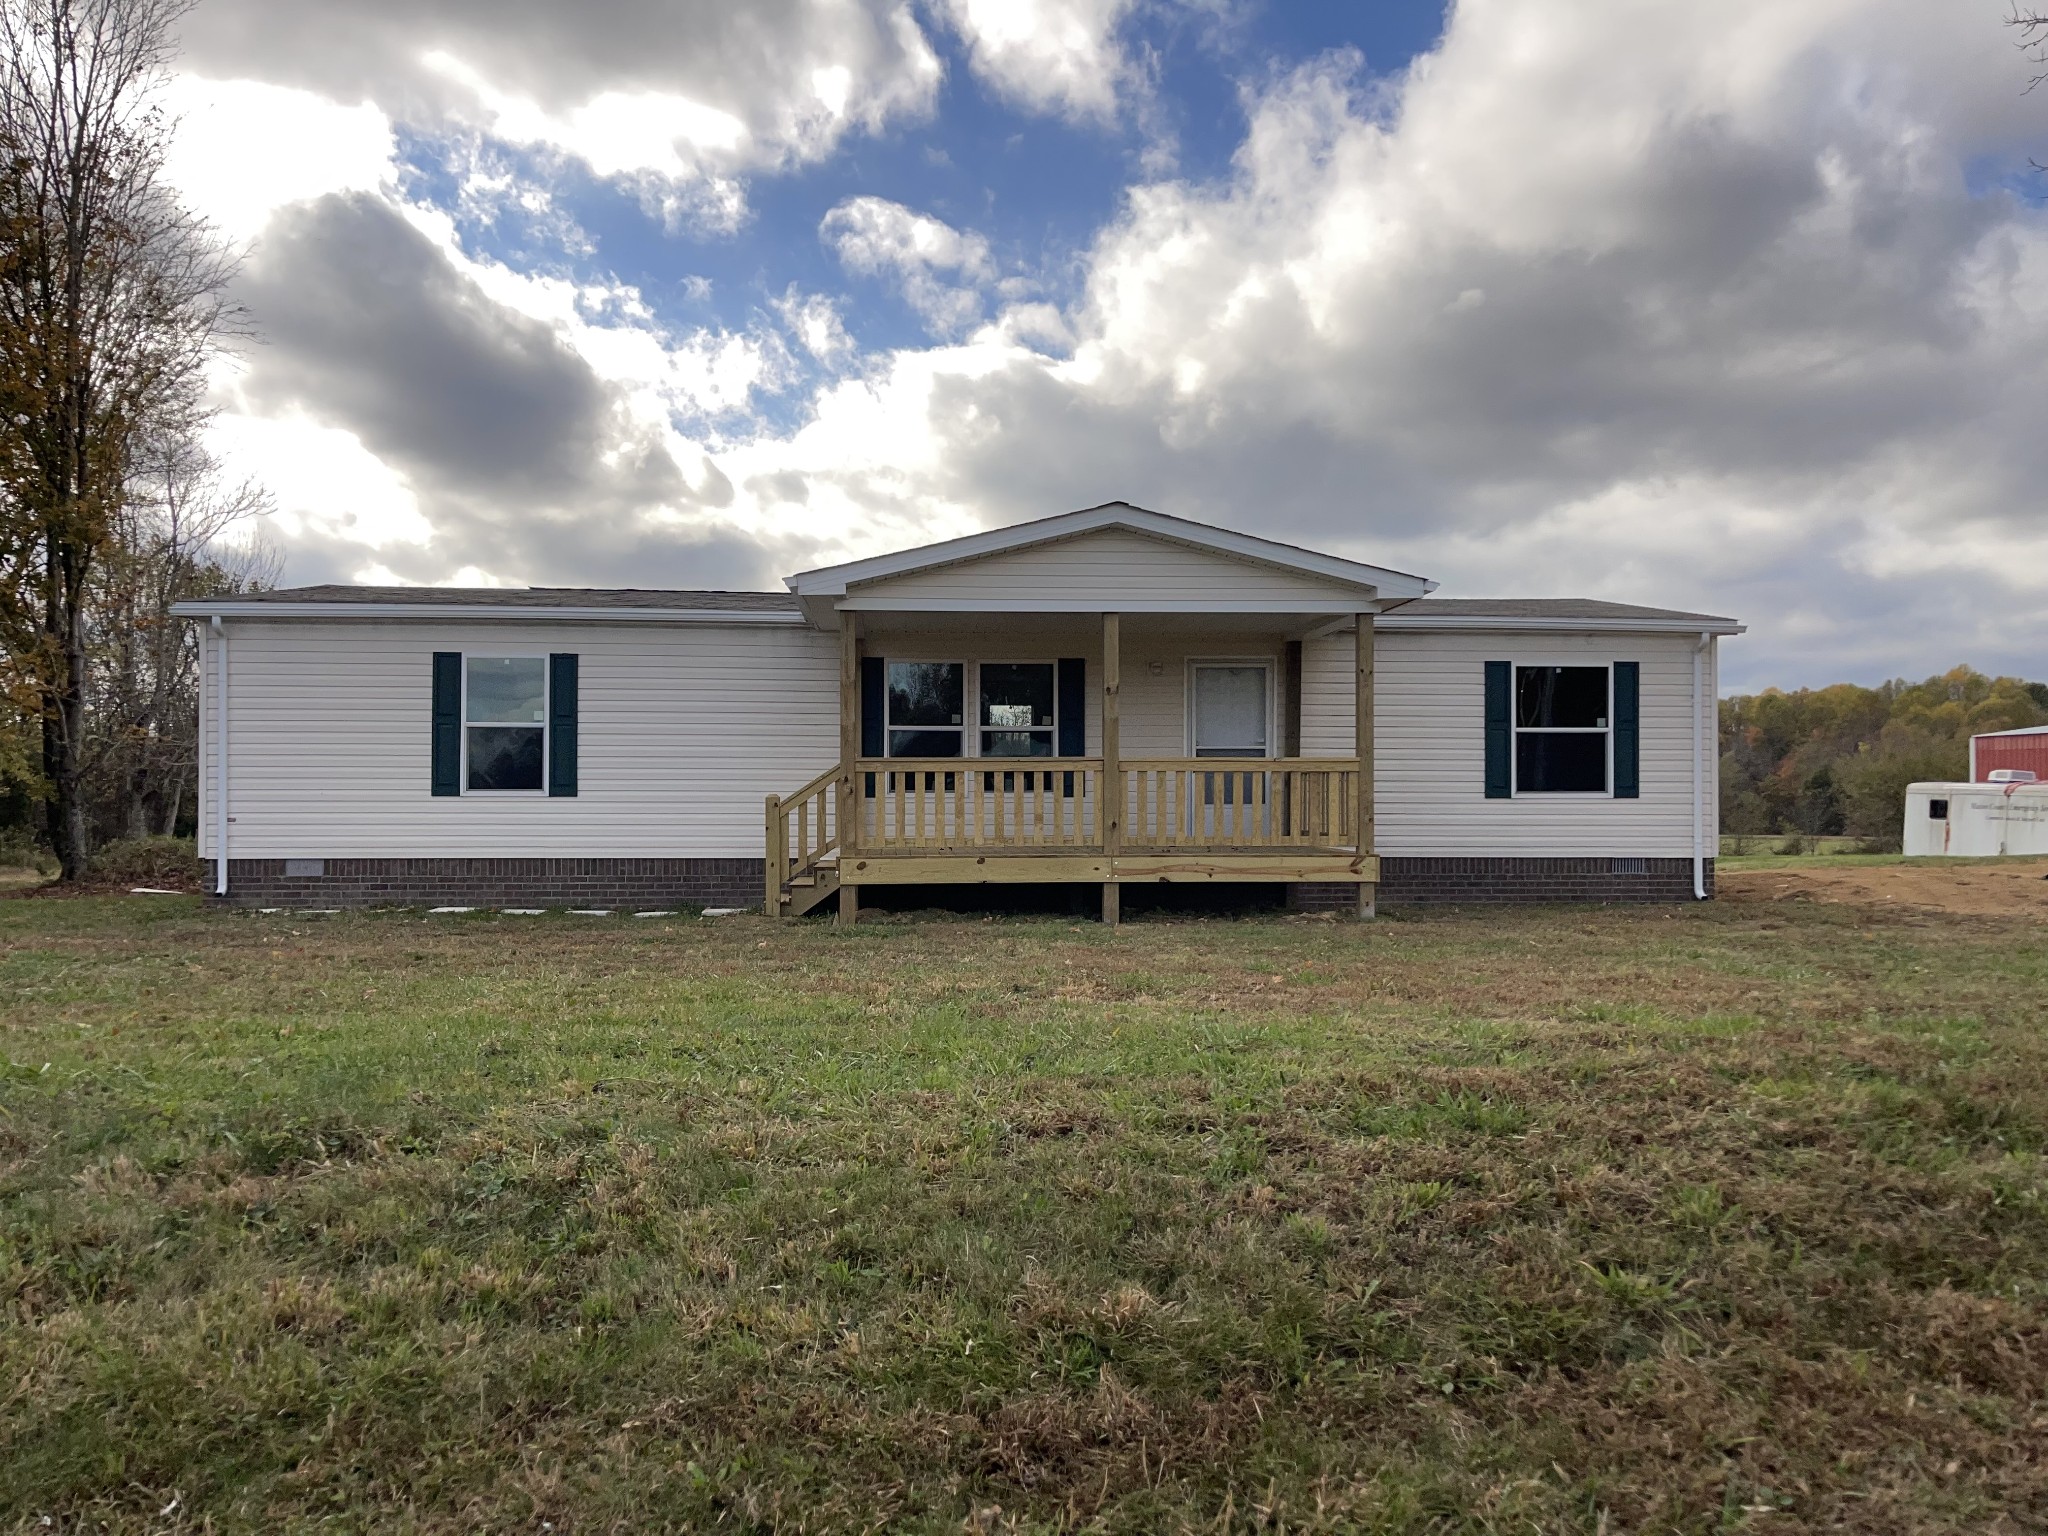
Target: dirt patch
pixel 2015 888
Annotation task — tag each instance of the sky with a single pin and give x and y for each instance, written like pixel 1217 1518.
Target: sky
pixel 1740 308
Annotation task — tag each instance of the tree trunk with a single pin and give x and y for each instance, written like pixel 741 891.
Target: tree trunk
pixel 136 822
pixel 67 771
pixel 174 800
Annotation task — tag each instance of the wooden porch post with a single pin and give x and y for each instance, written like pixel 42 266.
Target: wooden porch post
pixel 849 753
pixel 1362 808
pixel 1112 764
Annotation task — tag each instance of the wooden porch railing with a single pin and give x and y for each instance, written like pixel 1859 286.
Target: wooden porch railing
pixel 942 804
pixel 1214 804
pixel 803 829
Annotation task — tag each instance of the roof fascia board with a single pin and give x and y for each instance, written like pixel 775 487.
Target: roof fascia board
pixel 834 579
pixel 1095 605
pixel 1674 626
pixel 201 609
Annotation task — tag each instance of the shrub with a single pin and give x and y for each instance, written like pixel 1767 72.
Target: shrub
pixel 19 849
pixel 166 861
pixel 1874 784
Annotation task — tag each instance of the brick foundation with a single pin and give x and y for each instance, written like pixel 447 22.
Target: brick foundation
pixel 1410 881
pixel 490 882
pixel 737 882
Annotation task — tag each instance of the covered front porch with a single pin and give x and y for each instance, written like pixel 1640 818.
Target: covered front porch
pixel 1106 748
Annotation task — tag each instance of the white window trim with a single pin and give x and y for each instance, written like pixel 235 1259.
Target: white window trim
pixel 547 709
pixel 1271 665
pixel 1516 730
pixel 974 669
pixel 889 726
pixel 970 703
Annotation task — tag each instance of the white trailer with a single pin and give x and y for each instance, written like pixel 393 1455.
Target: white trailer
pixel 1976 820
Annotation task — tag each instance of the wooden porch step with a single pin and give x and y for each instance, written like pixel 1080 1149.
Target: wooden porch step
pixel 806 892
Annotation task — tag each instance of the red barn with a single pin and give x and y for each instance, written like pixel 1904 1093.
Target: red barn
pixel 2023 749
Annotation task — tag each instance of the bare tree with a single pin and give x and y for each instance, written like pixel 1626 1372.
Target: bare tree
pixel 2032 27
pixel 111 301
pixel 168 543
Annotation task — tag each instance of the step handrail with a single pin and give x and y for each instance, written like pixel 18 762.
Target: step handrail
pixel 802 831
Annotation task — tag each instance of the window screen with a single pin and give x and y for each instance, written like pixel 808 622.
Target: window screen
pixel 1562 724
pixel 505 722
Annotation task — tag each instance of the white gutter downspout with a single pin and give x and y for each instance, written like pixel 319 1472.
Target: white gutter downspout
pixel 1699 777
pixel 220 813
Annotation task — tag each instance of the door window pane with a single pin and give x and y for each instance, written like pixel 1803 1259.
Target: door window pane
pixel 1230 711
pixel 507 690
pixel 926 693
pixel 504 757
pixel 1561 696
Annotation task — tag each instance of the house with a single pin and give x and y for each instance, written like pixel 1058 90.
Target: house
pixel 1108 697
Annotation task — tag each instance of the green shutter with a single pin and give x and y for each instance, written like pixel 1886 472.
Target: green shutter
pixel 447 722
pixel 562 725
pixel 1073 705
pixel 1500 732
pixel 874 741
pixel 1072 683
pixel 1628 730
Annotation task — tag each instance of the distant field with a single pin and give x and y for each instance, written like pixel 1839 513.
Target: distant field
pixel 1697 1219
pixel 1808 847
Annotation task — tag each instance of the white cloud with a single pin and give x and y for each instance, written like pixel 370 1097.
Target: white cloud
pixel 873 236
pixel 1730 327
pixel 327 484
pixel 244 149
pixel 1060 56
pixel 814 321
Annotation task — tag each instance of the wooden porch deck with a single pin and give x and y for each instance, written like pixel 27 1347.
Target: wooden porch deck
pixel 1107 820
pixel 946 821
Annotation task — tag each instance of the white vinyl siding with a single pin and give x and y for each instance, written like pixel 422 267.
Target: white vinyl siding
pixel 1429 779
pixel 1154 704
pixel 1117 571
pixel 681 731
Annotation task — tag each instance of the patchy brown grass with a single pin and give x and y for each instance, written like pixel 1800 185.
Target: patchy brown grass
pixel 2015 887
pixel 1713 1219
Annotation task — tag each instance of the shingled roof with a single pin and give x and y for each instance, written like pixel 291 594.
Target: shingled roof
pixel 595 602
pixel 532 597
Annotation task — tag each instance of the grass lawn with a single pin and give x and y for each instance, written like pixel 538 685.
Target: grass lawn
pixel 1705 1219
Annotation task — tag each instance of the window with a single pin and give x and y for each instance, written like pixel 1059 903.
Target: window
pixel 1017 709
pixel 1937 810
pixel 1230 707
pixel 504 715
pixel 926 708
pixel 1562 720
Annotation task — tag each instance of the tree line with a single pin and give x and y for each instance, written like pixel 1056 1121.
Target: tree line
pixel 1836 761
pixel 113 307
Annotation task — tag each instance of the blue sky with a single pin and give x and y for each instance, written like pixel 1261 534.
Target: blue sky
pixel 1037 187
pixel 1741 309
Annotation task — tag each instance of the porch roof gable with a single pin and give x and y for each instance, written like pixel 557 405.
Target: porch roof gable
pixel 862 583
